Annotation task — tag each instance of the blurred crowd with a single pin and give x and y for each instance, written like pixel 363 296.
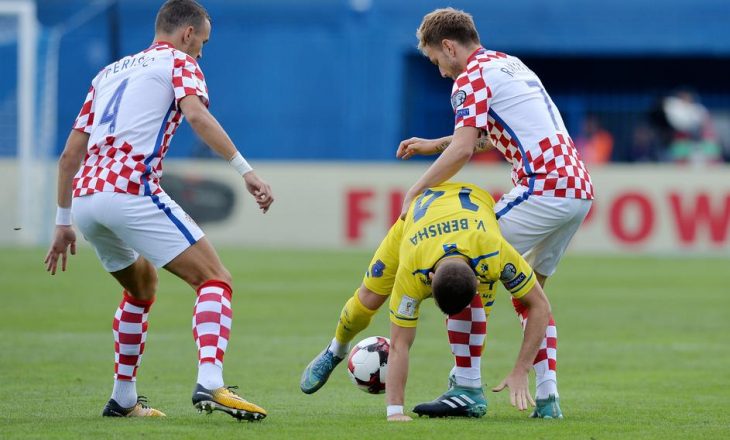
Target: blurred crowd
pixel 678 129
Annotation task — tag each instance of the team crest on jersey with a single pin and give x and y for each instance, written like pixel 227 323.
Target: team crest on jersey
pixel 457 99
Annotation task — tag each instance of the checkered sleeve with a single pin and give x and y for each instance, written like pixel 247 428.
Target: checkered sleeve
pixel 188 79
pixel 85 119
pixel 469 100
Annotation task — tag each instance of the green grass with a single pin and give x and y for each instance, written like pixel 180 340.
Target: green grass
pixel 643 344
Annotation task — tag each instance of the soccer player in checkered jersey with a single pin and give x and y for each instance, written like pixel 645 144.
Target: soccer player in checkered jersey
pixel 109 179
pixel 499 102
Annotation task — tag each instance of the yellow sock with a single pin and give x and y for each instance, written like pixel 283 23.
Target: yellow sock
pixel 354 318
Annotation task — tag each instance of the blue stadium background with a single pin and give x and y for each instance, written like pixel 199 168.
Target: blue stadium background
pixel 342 79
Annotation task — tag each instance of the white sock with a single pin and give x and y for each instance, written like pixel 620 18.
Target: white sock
pixel 210 375
pixel 467 377
pixel 125 393
pixel 338 349
pixel 468 382
pixel 546 388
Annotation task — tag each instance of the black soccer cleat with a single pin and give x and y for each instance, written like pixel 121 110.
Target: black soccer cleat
pixel 140 409
pixel 456 402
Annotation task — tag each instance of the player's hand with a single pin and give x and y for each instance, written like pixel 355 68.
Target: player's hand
pixel 63 238
pixel 399 418
pixel 519 393
pixel 260 190
pixel 413 146
pixel 407 199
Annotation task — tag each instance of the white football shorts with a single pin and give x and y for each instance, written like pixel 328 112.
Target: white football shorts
pixel 121 227
pixel 540 227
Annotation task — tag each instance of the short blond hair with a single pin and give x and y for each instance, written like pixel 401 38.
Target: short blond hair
pixel 446 23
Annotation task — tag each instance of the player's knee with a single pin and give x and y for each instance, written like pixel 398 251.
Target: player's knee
pixel 217 274
pixel 370 299
pixel 151 284
pixel 224 275
pixel 143 291
pixel 139 280
pixel 146 287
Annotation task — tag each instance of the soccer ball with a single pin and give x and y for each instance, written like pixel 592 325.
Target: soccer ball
pixel 367 364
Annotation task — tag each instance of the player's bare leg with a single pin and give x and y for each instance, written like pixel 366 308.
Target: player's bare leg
pixel 546 394
pixel 201 268
pixel 199 263
pixel 130 330
pixel 354 318
pixel 139 279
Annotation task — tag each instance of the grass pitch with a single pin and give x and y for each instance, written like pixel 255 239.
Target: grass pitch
pixel 643 352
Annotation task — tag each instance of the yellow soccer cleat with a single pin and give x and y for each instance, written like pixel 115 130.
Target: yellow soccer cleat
pixel 140 409
pixel 226 400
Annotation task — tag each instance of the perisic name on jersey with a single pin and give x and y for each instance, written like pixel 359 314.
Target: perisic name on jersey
pixel 139 60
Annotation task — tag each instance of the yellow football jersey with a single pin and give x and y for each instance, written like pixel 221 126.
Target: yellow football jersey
pixel 449 219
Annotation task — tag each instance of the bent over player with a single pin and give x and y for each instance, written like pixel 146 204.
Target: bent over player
pixel 448 246
pixel 499 102
pixel 124 129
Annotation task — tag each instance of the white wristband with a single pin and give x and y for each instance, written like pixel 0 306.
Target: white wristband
pixel 63 216
pixel 394 409
pixel 240 164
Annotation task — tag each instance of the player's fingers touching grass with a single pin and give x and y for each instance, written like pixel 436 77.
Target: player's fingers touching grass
pixel 518 396
pixel 518 399
pixel 499 387
pixel 522 400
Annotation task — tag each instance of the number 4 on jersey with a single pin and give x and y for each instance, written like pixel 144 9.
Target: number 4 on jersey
pixel 112 108
pixel 429 196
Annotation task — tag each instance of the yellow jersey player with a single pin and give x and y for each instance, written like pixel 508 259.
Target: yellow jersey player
pixel 448 247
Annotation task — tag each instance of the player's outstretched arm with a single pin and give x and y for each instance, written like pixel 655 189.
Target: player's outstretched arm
pixel 401 339
pixel 212 133
pixel 64 235
pixel 418 146
pixel 425 147
pixel 538 309
pixel 456 155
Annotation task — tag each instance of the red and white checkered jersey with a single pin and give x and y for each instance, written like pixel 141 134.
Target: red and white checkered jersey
pixel 131 113
pixel 499 95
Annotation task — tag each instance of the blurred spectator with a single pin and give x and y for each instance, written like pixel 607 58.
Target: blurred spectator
pixel 687 129
pixel 645 144
pixel 595 144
